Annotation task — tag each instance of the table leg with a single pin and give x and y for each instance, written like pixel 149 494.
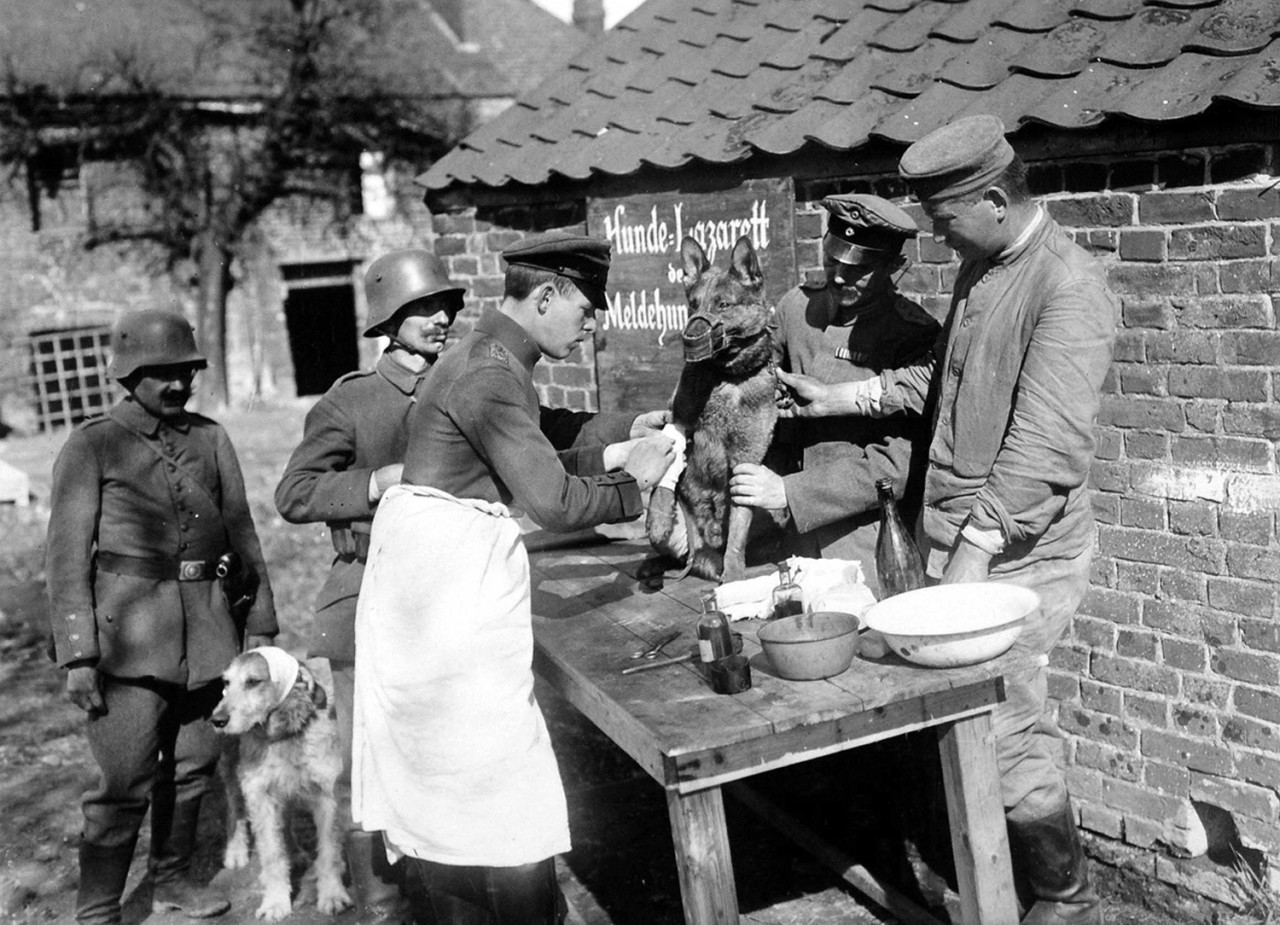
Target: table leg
pixel 978 836
pixel 702 857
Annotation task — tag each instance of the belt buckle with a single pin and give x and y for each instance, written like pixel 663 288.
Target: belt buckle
pixel 191 570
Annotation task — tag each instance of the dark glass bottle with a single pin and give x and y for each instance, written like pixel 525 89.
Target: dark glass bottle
pixel 897 559
pixel 788 599
pixel 714 639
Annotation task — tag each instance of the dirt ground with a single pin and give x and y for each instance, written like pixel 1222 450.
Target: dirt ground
pixel 621 870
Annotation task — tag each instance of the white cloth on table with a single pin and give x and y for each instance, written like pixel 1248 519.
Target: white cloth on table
pixel 819 580
pixel 451 754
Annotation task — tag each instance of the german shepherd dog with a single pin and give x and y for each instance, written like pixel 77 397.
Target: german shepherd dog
pixel 724 402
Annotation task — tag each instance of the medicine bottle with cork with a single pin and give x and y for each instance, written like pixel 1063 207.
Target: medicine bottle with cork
pixel 714 639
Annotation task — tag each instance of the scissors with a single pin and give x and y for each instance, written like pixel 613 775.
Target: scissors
pixel 653 650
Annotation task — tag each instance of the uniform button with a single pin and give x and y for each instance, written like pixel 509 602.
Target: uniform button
pixel 75 636
pixel 71 616
pixel 965 322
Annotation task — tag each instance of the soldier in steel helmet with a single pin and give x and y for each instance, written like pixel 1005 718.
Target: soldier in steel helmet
pixel 352 451
pixel 845 326
pixel 145 500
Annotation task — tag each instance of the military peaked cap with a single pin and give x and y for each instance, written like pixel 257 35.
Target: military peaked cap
pixel 959 158
pixel 582 259
pixel 865 229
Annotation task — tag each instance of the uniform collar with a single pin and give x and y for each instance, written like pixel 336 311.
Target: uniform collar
pixel 137 418
pixel 511 335
pixel 403 378
pixel 1024 239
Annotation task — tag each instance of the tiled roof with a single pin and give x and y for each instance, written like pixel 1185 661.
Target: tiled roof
pixel 68 44
pixel 686 82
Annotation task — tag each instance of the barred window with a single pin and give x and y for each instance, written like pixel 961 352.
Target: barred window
pixel 69 375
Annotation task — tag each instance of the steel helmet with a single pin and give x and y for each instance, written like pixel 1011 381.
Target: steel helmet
pixel 396 279
pixel 152 337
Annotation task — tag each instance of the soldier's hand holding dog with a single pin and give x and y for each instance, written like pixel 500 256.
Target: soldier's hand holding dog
pixel 806 397
pixel 84 688
pixel 650 422
pixel 757 486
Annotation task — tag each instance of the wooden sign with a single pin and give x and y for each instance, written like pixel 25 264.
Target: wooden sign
pixel 638 351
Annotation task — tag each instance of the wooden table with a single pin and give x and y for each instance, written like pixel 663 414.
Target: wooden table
pixel 591 613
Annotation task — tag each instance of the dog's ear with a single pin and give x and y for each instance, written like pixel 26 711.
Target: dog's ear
pixel 745 265
pixel 695 262
pixel 315 690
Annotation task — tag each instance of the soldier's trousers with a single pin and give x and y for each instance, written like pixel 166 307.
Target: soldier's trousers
pixel 1028 742
pixel 154 742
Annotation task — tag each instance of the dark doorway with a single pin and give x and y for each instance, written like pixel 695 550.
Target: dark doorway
pixel 321 319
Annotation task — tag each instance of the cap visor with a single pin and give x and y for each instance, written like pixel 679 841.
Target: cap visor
pixel 845 252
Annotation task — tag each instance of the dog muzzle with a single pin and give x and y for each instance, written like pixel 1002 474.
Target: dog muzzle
pixel 704 338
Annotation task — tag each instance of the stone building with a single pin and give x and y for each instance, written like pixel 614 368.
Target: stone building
pixel 295 310
pixel 1152 131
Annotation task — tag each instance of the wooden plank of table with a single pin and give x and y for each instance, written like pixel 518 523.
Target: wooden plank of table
pixel 701 842
pixel 979 839
pixel 703 765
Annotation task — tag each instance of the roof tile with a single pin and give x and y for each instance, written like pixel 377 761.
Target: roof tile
pixel 1107 9
pixel 986 62
pixel 1238 27
pixel 1257 83
pixel 912 74
pixel 1036 15
pixel 909 30
pixel 1064 51
pixel 1184 88
pixel 1085 99
pixel 972 20
pixel 1155 36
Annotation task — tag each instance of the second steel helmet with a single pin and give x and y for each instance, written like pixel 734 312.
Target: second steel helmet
pixel 152 337
pixel 400 277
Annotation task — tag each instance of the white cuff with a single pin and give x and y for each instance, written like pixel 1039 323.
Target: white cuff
pixel 989 541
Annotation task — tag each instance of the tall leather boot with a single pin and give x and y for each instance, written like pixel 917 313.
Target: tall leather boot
pixel 1051 863
pixel 103 872
pixel 375 883
pixel 173 840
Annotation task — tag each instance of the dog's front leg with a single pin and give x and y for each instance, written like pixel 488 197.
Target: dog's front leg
pixel 266 815
pixel 331 895
pixel 735 548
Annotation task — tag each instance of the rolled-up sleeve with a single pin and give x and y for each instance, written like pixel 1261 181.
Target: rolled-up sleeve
pixel 1049 445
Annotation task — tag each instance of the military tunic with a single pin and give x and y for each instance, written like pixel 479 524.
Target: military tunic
pixel 360 425
pixel 832 495
pixel 130 486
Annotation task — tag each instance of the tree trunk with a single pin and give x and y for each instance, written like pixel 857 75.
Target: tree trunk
pixel 211 320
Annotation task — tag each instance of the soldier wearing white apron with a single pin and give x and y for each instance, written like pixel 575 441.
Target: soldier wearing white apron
pixel 452 758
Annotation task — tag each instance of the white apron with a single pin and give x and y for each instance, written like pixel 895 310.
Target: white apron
pixel 451 755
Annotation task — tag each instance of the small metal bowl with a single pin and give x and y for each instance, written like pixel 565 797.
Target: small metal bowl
pixel 810 646
pixel 946 626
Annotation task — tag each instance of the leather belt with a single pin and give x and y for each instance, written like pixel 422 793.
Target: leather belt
pixel 158 569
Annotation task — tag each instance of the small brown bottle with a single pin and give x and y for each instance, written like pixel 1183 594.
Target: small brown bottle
pixel 788 598
pixel 714 639
pixel 897 559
